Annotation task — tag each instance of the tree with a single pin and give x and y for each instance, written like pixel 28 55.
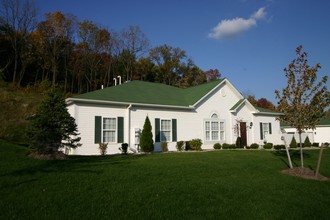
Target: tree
pixel 52 127
pixel 19 17
pixel 146 141
pixel 303 101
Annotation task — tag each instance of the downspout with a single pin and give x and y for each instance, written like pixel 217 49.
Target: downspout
pixel 129 125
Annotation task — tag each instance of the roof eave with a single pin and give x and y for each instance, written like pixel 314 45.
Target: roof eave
pixel 70 101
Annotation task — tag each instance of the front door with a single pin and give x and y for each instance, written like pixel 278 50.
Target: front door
pixel 242 127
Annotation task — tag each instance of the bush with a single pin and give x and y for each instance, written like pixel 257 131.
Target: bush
pixel 179 145
pixel 217 146
pixel 316 144
pixel 146 141
pixel 187 146
pixel 196 144
pixel 326 144
pixel 123 148
pixel 293 143
pixel 103 148
pixel 268 146
pixel 254 146
pixel 307 142
pixel 225 146
pixel 232 146
pixel 163 144
pixel 239 142
pixel 279 146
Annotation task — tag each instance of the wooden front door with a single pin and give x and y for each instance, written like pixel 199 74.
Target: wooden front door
pixel 242 127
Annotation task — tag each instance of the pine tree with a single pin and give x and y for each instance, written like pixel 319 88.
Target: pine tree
pixel 52 127
pixel 146 141
pixel 293 143
pixel 307 142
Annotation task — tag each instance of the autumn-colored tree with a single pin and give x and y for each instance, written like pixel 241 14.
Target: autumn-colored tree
pixel 265 103
pixel 303 101
pixel 19 18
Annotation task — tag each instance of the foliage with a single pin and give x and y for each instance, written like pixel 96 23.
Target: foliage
pixel 163 145
pixel 315 144
pixel 225 146
pixel 196 144
pixel 303 101
pixel 52 127
pixel 239 142
pixel 179 145
pixel 254 146
pixel 293 143
pixel 103 148
pixel 146 141
pixel 217 146
pixel 307 142
pixel 279 146
pixel 268 146
pixel 124 148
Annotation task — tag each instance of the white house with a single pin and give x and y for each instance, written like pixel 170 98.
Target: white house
pixel 214 112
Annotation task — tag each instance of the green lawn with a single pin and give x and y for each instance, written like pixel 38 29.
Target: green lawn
pixel 242 184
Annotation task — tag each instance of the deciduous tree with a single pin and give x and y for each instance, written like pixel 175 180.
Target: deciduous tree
pixel 304 100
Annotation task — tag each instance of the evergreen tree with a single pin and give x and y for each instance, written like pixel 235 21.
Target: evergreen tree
pixel 52 127
pixel 146 141
pixel 307 142
pixel 293 143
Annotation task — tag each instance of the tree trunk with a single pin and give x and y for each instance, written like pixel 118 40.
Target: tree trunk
pixel 319 161
pixel 301 151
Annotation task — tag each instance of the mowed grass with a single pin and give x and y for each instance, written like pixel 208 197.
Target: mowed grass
pixel 189 185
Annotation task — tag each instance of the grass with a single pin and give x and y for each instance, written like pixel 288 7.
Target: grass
pixel 206 185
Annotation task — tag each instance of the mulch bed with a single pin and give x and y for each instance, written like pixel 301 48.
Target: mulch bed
pixel 304 173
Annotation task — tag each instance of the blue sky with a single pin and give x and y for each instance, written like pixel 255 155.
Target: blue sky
pixel 249 41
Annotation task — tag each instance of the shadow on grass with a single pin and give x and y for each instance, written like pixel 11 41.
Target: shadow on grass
pixel 75 164
pixel 294 154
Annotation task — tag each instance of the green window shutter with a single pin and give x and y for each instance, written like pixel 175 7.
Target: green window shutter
pixel 261 132
pixel 174 130
pixel 120 133
pixel 157 129
pixel 97 129
pixel 270 128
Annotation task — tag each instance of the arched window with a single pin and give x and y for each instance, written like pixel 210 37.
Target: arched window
pixel 214 115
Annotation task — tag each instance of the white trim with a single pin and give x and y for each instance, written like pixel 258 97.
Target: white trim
pixel 70 101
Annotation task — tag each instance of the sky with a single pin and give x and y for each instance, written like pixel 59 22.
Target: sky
pixel 249 41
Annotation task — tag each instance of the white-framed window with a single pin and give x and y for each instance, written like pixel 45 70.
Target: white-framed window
pixel 165 130
pixel 109 130
pixel 265 128
pixel 214 129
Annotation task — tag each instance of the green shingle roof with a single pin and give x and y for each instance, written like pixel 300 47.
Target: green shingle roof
pixel 151 93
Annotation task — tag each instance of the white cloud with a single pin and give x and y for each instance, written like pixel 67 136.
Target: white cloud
pixel 231 28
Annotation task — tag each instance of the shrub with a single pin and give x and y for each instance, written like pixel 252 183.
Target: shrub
pixel 254 146
pixel 326 144
pixel 225 146
pixel 293 143
pixel 279 146
pixel 307 142
pixel 179 145
pixel 196 144
pixel 187 146
pixel 217 146
pixel 103 148
pixel 316 144
pixel 123 148
pixel 146 141
pixel 268 146
pixel 239 142
pixel 163 144
pixel 232 146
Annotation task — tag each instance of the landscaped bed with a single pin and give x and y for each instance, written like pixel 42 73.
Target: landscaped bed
pixel 210 185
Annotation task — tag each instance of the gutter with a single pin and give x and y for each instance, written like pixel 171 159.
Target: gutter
pixel 70 101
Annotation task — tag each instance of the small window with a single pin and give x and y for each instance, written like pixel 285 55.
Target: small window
pixel 165 130
pixel 214 115
pixel 109 130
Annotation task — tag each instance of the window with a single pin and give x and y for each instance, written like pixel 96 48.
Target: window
pixel 165 130
pixel 214 130
pixel 265 129
pixel 109 130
